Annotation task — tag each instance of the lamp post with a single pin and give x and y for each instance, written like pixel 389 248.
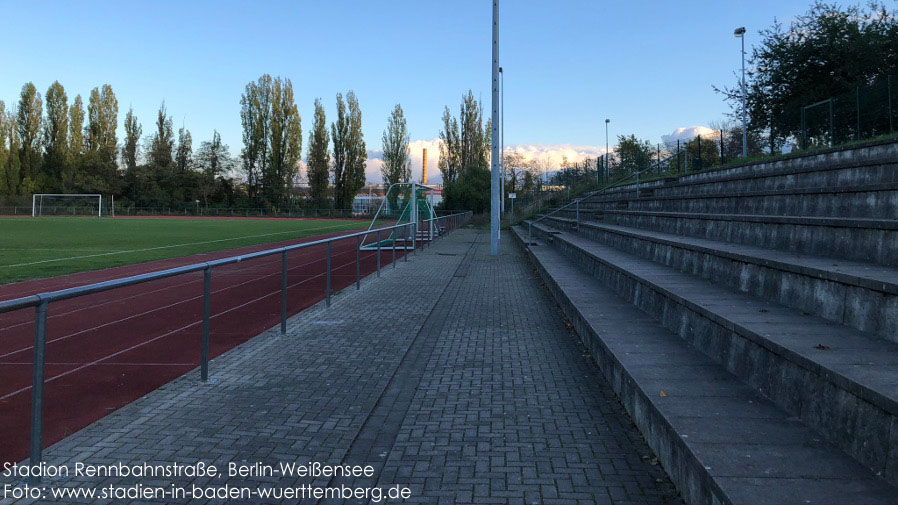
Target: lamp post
pixel 502 132
pixel 495 200
pixel 606 147
pixel 740 34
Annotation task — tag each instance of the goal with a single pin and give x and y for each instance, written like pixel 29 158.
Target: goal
pixel 50 204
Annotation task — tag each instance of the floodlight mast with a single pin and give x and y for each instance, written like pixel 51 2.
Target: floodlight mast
pixel 495 200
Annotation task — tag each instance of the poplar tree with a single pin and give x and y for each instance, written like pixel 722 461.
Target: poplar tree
pixel 449 151
pixel 350 155
pixel 319 158
pixel 55 138
pixel 285 142
pixel 163 141
pixel 12 159
pixel 4 152
pixel 184 154
pixel 99 172
pixel 75 149
pixel 213 159
pixel 28 123
pixel 131 148
pixel 396 163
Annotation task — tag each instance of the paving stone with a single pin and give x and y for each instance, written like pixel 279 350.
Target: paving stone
pixel 453 374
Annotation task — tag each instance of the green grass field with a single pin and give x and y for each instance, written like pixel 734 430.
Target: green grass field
pixel 47 247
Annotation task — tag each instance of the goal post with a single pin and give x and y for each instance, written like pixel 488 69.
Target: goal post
pixel 66 204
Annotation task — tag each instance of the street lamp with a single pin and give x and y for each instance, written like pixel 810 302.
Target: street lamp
pixel 740 34
pixel 606 147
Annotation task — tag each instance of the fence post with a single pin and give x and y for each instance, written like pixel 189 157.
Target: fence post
pixel 832 127
pixel 578 213
pixel 637 184
pixel 207 294
pixel 284 292
pixel 37 385
pixel 328 285
pixel 378 253
pixel 889 89
pixel 857 107
pixel 358 262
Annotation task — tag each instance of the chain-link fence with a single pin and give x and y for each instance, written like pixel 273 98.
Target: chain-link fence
pixel 864 113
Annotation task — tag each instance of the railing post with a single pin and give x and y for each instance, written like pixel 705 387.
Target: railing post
pixel 637 184
pixel 414 236
pixel 529 232
pixel 358 262
pixel 404 242
pixel 37 385
pixel 578 213
pixel 207 294
pixel 328 285
pixel 284 292
pixel 378 253
pixel 393 246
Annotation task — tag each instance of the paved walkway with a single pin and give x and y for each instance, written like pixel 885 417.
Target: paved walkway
pixel 453 375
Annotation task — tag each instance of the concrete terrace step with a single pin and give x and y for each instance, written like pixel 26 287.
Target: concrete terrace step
pixel 867 201
pixel 858 295
pixel 720 441
pixel 864 240
pixel 840 383
pixel 873 163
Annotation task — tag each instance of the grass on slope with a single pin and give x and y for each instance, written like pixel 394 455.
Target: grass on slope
pixel 47 247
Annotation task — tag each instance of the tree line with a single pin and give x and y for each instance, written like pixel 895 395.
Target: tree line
pixel 50 145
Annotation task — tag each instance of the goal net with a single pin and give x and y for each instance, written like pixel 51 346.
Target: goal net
pixel 46 204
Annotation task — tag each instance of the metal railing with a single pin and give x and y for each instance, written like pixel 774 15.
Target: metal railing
pixel 576 201
pixel 42 301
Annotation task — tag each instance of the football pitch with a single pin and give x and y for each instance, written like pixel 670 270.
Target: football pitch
pixel 47 247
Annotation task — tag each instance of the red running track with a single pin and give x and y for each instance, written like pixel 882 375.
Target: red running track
pixel 108 349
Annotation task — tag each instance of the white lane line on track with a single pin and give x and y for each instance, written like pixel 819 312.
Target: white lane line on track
pixel 237 267
pixel 86 330
pixel 141 344
pixel 112 253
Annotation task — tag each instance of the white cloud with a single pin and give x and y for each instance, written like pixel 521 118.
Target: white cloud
pixel 547 156
pixel 687 133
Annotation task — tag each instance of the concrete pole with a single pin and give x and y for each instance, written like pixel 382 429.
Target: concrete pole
pixel 502 132
pixel 495 200
pixel 744 122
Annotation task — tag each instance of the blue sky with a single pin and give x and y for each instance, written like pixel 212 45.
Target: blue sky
pixel 649 66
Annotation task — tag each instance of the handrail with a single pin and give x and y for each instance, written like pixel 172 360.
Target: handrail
pixel 41 302
pixel 576 201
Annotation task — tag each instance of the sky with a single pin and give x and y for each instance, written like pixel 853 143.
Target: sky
pixel 648 66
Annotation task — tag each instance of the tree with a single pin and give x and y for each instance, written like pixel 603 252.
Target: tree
pixel 319 158
pixel 396 163
pixel 252 137
pixel 4 152
pixel 28 124
pixel 285 142
pixel 825 52
pixel 350 155
pixel 184 153
pixel 464 146
pixel 450 153
pixel 131 149
pixel 99 171
pixel 13 144
pixel 464 142
pixel 212 159
pixel 55 138
pixel 633 154
pixel 163 141
pixel 471 191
